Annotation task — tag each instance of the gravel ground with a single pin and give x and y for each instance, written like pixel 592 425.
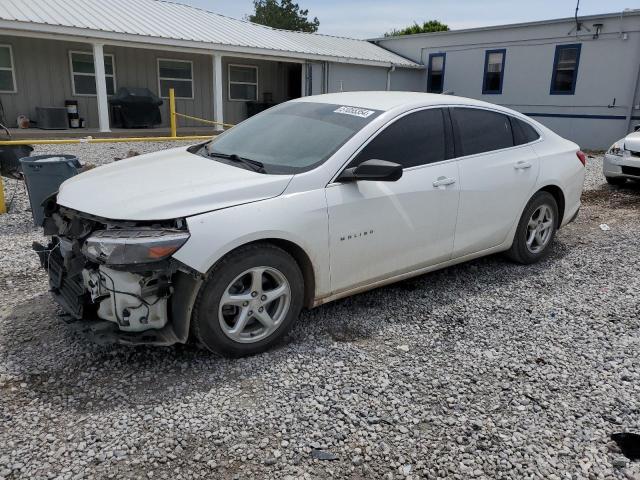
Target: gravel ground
pixel 483 370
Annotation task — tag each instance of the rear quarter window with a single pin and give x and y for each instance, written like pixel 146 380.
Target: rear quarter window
pixel 523 132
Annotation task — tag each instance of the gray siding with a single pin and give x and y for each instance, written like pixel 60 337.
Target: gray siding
pixel 317 79
pixel 608 70
pixel 408 80
pixel 43 78
pixel 137 67
pixel 271 79
pixel 36 60
pixel 351 78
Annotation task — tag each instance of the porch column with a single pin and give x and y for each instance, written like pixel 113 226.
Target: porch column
pixel 303 86
pixel 218 81
pixel 101 87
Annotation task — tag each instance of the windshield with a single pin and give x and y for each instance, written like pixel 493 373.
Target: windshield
pixel 292 137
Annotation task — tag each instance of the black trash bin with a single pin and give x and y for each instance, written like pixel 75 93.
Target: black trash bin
pixel 43 175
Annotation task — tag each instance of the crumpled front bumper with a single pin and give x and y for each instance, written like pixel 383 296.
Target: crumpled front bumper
pixel 70 292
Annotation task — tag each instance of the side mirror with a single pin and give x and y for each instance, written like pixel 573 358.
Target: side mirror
pixel 372 170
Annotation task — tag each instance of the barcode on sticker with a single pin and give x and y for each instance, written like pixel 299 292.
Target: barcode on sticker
pixel 356 112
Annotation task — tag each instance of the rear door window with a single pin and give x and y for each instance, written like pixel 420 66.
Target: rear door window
pixel 415 139
pixel 480 131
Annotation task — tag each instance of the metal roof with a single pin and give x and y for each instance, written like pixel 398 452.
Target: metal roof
pixel 167 23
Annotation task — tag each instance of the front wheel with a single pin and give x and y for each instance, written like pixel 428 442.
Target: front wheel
pixel 249 301
pixel 536 229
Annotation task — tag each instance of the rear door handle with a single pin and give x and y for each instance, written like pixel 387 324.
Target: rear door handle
pixel 444 181
pixel 522 165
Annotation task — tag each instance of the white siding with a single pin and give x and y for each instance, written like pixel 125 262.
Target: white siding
pixel 607 70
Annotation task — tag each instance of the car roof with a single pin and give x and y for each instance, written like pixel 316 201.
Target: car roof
pixel 390 100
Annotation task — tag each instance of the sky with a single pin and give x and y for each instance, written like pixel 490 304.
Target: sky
pixel 371 18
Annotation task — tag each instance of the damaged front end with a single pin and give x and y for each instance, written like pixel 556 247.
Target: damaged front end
pixel 119 276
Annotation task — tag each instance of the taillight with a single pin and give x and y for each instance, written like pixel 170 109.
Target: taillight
pixel 582 157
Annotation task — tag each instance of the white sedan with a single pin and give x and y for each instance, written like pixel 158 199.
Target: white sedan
pixel 622 160
pixel 313 200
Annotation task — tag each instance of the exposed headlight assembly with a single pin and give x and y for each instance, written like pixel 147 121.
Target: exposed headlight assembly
pixel 617 149
pixel 131 247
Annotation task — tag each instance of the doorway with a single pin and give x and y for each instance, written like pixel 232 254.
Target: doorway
pixel 293 77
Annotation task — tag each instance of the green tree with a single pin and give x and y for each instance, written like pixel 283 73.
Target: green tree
pixel 426 27
pixel 283 14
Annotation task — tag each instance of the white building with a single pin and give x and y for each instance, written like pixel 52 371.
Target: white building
pixel 580 79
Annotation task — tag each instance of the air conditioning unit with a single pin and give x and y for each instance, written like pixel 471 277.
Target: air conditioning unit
pixel 52 118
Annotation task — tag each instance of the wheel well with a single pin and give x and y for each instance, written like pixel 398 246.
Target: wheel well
pixel 559 198
pixel 303 261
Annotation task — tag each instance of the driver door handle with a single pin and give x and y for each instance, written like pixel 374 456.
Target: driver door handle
pixel 444 181
pixel 522 165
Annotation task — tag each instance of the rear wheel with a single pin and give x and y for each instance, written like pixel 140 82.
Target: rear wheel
pixel 249 301
pixel 616 180
pixel 536 229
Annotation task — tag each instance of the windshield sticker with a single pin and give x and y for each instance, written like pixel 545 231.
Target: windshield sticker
pixel 356 112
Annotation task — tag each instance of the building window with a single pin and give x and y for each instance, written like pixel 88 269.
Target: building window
pixel 435 79
pixel 493 71
pixel 83 74
pixel 176 74
pixel 7 74
pixel 243 82
pixel 565 69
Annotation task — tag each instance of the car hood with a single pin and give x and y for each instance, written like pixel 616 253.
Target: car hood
pixel 165 185
pixel 632 142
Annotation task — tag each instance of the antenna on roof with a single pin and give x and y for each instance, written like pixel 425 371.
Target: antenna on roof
pixel 579 26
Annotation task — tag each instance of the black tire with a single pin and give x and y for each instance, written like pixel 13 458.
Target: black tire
pixel 519 252
pixel 617 181
pixel 205 321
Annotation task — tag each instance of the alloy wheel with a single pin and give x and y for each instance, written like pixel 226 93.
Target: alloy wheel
pixel 540 229
pixel 254 304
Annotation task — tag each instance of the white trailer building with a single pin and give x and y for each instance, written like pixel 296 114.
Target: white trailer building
pixel 579 77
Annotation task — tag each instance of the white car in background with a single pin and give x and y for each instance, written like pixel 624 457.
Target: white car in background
pixel 622 160
pixel 310 201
